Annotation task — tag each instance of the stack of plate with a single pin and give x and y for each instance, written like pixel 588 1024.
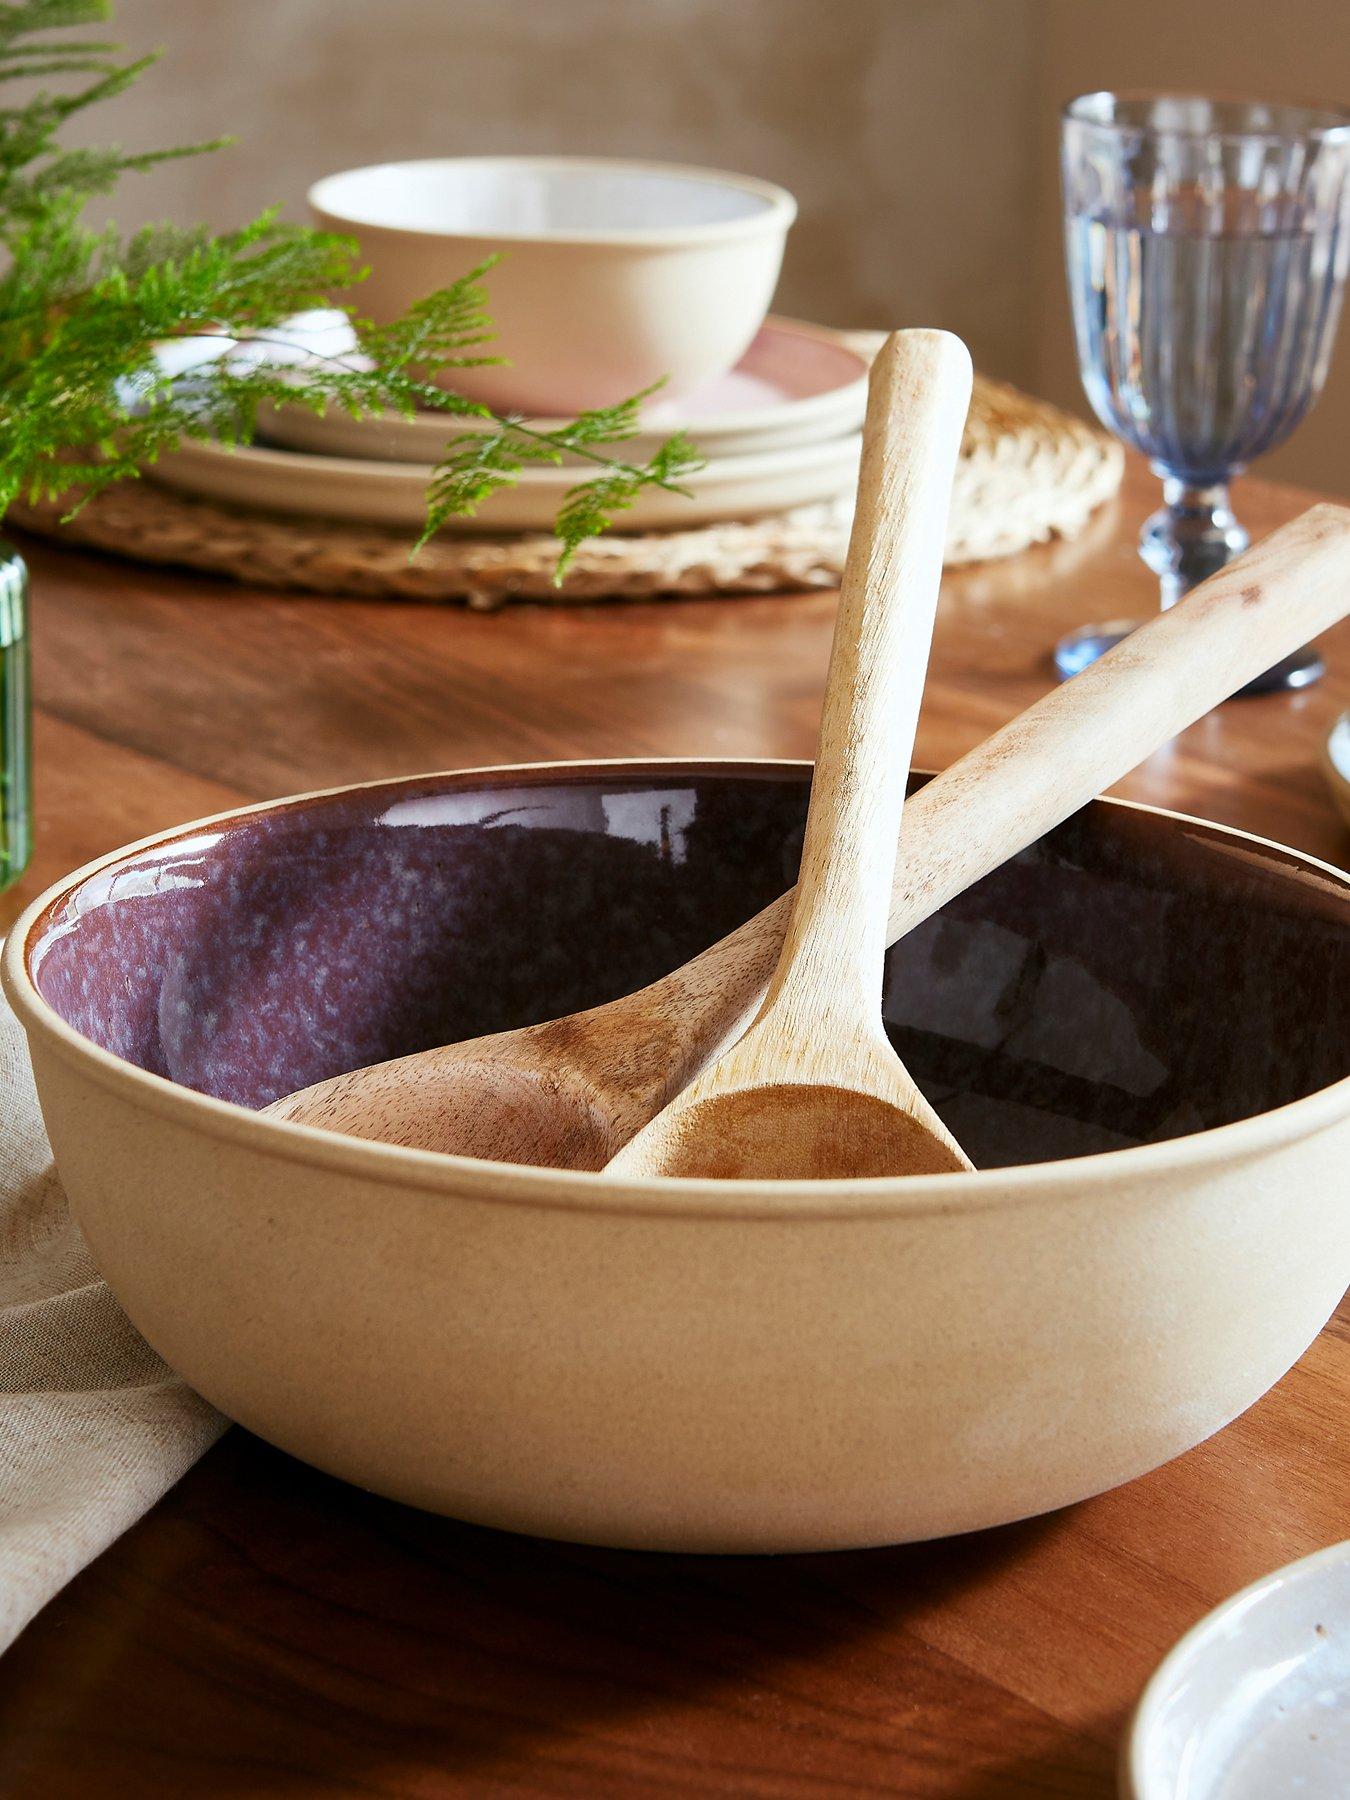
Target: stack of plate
pixel 782 429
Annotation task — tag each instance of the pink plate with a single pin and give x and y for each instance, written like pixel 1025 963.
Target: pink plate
pixel 785 365
pixel 796 384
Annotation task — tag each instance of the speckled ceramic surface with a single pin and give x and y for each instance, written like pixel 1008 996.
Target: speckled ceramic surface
pixel 1254 1702
pixel 1067 1004
pixel 703 1365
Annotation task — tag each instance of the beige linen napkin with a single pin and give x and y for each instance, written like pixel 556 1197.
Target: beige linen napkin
pixel 93 1426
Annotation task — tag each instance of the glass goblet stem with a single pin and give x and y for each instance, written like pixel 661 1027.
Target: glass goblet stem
pixel 1191 536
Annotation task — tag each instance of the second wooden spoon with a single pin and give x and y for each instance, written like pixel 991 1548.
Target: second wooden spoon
pixel 571 1092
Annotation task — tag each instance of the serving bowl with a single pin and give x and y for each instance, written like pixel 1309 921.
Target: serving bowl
pixel 613 275
pixel 1136 1029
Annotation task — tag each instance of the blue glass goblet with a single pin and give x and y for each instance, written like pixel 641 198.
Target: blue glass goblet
pixel 1207 243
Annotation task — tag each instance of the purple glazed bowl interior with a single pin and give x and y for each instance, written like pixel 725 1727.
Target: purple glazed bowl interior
pixel 1133 977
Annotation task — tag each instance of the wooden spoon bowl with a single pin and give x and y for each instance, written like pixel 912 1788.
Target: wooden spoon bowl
pixel 778 1131
pixel 465 1103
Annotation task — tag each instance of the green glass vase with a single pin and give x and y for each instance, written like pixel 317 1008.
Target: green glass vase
pixel 16 753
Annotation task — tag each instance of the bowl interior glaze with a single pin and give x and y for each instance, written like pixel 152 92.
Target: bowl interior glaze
pixel 1130 978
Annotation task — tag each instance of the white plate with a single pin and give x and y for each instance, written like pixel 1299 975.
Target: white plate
pixel 1254 1702
pixel 1336 763
pixel 796 384
pixel 387 493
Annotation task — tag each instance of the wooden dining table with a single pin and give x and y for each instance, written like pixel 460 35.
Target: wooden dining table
pixel 266 1630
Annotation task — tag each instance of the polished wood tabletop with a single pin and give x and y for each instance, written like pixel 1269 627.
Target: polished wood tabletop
pixel 269 1631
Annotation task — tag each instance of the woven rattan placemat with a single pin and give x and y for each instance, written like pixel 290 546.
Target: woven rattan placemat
pixel 1028 472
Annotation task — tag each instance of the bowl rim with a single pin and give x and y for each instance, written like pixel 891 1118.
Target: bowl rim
pixel 778 212
pixel 1193 1642
pixel 575 1190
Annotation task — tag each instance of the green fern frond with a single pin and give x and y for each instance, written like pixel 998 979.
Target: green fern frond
pixel 477 464
pixel 85 399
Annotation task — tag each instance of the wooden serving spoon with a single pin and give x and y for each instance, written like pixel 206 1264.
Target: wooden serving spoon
pixel 569 1093
pixel 814 1089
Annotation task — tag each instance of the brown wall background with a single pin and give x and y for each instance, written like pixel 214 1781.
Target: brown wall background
pixel 918 135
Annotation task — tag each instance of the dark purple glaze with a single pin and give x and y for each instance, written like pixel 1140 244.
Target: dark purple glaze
pixel 1128 979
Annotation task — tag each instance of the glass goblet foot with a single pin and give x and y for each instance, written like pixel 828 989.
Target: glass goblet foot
pixel 1191 536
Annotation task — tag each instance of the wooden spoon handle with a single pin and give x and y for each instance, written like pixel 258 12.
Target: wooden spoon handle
pixel 1033 773
pixel 1083 736
pixel 918 396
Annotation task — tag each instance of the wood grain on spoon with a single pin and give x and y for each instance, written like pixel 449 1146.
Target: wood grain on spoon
pixel 814 1090
pixel 571 1092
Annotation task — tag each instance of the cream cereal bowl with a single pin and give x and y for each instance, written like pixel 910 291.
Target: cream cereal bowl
pixel 613 275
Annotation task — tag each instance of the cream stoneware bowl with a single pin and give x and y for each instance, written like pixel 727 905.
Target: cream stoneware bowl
pixel 1137 1029
pixel 613 275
